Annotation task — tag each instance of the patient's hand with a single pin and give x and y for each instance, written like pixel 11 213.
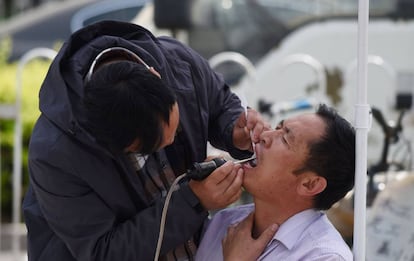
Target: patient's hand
pixel 239 244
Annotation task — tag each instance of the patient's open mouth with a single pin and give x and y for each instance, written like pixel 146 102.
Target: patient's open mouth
pixel 252 162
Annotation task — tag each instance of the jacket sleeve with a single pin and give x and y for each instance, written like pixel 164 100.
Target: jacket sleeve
pixel 91 228
pixel 223 107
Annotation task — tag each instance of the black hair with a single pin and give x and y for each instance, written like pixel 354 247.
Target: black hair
pixel 333 157
pixel 124 101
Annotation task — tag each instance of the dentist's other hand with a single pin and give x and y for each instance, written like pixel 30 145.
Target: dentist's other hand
pixel 247 131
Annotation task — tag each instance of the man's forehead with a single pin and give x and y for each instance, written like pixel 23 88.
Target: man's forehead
pixel 302 120
pixel 309 123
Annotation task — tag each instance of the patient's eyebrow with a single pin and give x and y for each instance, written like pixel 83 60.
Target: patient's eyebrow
pixel 289 134
pixel 279 125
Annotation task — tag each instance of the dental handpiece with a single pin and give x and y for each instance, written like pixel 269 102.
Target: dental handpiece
pixel 200 171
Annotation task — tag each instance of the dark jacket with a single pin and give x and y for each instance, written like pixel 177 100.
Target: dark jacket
pixel 85 203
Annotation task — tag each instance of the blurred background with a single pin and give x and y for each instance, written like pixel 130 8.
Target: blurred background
pixel 280 56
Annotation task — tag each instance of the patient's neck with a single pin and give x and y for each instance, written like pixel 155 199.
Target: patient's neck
pixel 265 215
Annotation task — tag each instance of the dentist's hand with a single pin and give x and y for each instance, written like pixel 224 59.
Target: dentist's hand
pixel 220 188
pixel 248 130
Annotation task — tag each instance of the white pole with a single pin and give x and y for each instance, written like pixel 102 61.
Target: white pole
pixel 362 124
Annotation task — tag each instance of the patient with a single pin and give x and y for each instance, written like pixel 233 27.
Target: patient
pixel 304 166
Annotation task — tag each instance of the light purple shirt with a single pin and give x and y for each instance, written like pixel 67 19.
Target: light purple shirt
pixel 308 235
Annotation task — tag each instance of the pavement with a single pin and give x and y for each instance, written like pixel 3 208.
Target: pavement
pixel 6 237
pixel 9 256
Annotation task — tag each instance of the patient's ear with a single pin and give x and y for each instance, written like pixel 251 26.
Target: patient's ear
pixel 311 184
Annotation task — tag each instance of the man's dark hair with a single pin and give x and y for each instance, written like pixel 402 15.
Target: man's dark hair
pixel 123 101
pixel 333 157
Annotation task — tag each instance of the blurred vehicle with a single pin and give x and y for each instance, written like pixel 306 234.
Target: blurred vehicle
pixel 47 25
pixel 303 48
pixel 123 10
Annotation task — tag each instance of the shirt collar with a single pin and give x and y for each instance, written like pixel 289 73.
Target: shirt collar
pixel 291 230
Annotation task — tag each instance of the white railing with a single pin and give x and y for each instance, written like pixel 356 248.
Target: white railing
pixel 317 67
pixel 241 60
pixel 13 111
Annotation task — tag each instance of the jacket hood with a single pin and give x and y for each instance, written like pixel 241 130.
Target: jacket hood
pixel 62 90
